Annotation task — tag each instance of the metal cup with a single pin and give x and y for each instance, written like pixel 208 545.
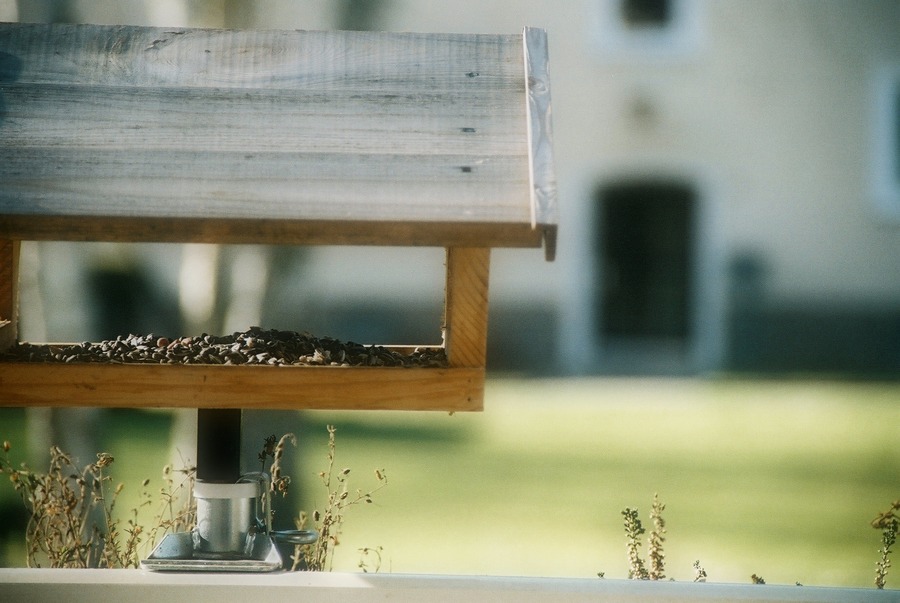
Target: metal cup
pixel 226 518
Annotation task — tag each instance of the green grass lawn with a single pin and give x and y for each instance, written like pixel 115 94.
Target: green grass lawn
pixel 777 478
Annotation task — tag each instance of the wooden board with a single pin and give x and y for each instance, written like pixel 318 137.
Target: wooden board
pixel 466 306
pixel 153 134
pixel 192 386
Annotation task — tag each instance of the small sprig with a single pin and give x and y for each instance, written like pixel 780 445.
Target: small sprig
pixel 699 572
pixel 633 532
pixel 268 451
pixel 370 558
pixel 889 524
pixel 177 506
pixel 319 556
pixel 280 482
pixel 655 541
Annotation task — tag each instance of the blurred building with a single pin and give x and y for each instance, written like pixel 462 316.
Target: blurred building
pixel 729 185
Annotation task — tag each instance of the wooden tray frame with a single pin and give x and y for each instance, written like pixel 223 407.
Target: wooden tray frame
pixel 460 387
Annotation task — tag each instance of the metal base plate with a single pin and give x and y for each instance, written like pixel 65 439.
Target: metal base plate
pixel 175 553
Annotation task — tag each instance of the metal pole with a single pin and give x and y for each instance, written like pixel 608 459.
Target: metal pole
pixel 219 445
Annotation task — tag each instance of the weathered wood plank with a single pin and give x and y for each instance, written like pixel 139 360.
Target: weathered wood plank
pixel 218 58
pixel 312 128
pixel 222 185
pixel 466 306
pixel 192 386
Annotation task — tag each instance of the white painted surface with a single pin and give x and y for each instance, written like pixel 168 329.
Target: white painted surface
pixel 76 586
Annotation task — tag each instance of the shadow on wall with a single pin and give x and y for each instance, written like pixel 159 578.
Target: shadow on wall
pixel 522 339
pixel 845 341
pixel 767 336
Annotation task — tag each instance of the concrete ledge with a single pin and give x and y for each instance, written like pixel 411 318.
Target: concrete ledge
pixel 93 586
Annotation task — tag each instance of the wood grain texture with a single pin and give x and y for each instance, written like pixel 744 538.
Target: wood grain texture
pixel 9 292
pixel 187 386
pixel 466 306
pixel 542 172
pixel 322 131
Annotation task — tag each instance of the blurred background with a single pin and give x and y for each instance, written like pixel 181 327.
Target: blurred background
pixel 721 324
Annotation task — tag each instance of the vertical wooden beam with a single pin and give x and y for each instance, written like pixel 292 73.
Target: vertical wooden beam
pixel 9 293
pixel 466 306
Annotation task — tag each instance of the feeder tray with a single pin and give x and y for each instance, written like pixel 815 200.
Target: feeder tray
pixel 138 134
pixel 175 553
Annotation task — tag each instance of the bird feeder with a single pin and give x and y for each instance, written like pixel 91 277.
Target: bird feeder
pixel 135 134
pixel 138 134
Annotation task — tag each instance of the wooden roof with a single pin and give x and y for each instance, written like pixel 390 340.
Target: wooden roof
pixel 119 133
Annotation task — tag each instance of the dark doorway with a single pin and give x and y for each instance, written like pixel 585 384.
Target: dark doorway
pixel 645 241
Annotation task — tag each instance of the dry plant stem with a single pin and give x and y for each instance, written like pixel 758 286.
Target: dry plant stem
pixel 699 572
pixel 319 556
pixel 72 521
pixel 267 451
pixel 280 483
pixel 366 554
pixel 134 530
pixel 327 523
pixel 65 506
pixel 633 532
pixel 889 524
pixel 637 570
pixel 655 541
pixel 273 448
pixel 178 508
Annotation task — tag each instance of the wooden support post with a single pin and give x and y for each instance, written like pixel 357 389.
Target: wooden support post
pixel 9 293
pixel 466 306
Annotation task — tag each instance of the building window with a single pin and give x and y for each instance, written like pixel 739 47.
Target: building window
pixel 646 13
pixel 359 15
pixel 886 131
pixel 666 29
